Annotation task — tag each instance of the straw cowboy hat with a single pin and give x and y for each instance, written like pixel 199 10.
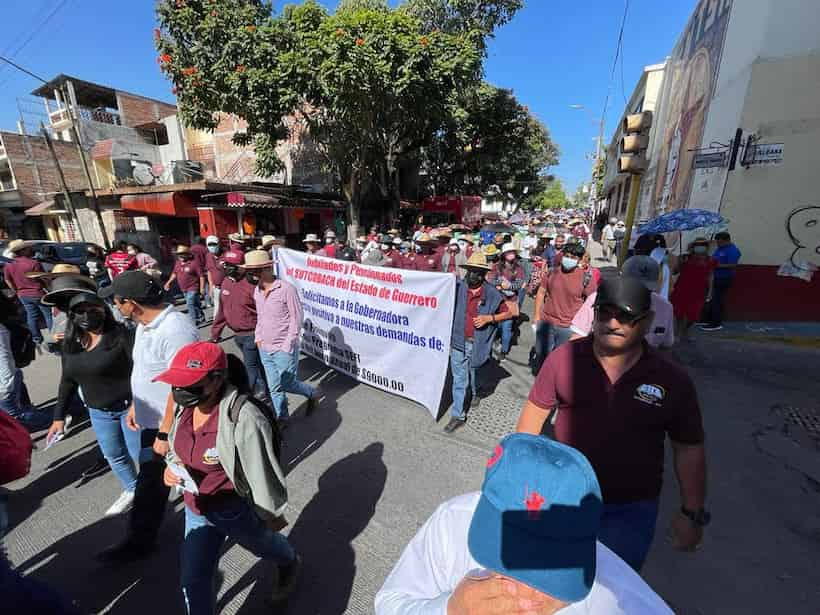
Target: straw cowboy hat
pixel 182 249
pixel 257 259
pixel 269 240
pixel 425 238
pixel 477 261
pixel 508 247
pixel 237 238
pixel 18 244
pixel 394 231
pixel 59 269
pixel 66 286
pixel 311 238
pixel 490 250
pixel 330 235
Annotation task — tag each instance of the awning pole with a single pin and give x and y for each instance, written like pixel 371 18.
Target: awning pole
pixel 68 202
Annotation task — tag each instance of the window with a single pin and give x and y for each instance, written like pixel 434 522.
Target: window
pixel 123 223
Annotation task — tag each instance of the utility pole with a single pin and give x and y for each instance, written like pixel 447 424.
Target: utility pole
pixel 68 202
pixel 94 202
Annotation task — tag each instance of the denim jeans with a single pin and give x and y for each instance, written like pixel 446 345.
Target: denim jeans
pixel 463 375
pixel 719 289
pixel 195 312
pixel 548 337
pixel 18 405
pixel 150 493
pixel 628 529
pixel 253 364
pixel 120 446
pixel 204 537
pixel 281 371
pixel 34 309
pixel 506 328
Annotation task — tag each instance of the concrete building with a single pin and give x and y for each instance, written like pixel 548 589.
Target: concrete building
pixel 736 131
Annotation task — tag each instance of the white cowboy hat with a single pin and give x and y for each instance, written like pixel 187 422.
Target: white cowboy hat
pixel 311 238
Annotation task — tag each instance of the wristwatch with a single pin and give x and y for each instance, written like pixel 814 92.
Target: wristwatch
pixel 701 517
pixel 162 436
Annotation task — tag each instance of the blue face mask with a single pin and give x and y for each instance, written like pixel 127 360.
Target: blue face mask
pixel 213 249
pixel 569 263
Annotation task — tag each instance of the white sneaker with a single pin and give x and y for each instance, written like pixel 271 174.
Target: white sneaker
pixel 123 504
pixel 68 420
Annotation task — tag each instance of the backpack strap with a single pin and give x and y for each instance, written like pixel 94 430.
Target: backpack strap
pixel 236 407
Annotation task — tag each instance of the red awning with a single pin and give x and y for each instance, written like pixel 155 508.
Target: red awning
pixel 160 203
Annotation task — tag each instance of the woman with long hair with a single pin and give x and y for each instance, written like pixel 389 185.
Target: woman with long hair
pixel 96 359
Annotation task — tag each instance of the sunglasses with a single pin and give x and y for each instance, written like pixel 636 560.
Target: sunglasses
pixel 605 313
pixel 86 309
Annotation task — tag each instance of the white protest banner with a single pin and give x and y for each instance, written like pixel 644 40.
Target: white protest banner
pixel 389 328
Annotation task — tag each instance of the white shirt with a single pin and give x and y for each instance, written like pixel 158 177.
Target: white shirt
pixel 661 256
pixel 437 559
pixel 154 347
pixel 530 241
pixel 608 232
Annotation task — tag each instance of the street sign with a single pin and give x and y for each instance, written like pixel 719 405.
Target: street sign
pixel 710 160
pixel 768 153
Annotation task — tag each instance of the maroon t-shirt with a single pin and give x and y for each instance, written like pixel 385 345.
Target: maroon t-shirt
pixel 213 264
pixel 565 294
pixel 200 253
pixel 188 275
pixel 428 262
pixel 474 299
pixel 237 308
pixel 15 276
pixel 621 427
pixel 197 451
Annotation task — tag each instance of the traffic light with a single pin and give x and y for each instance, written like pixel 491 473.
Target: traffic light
pixel 635 140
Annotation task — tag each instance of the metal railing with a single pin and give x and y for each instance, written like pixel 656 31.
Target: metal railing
pixel 101 115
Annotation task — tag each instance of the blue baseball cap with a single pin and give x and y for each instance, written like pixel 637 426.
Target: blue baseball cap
pixel 538 517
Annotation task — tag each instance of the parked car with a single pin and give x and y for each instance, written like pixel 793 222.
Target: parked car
pixel 50 253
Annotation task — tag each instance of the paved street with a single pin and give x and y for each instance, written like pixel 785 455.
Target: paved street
pixel 368 468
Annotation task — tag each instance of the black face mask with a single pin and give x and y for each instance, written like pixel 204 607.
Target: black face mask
pixel 92 320
pixel 233 272
pixel 188 397
pixel 474 279
pixel 253 278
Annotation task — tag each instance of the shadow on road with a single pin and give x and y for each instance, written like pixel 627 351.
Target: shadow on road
pixel 323 535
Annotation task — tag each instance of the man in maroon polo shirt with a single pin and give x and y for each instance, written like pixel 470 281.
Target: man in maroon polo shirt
pixel 28 290
pixel 426 260
pixel 237 310
pixel 190 278
pixel 616 399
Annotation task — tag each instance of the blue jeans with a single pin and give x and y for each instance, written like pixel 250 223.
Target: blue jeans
pixel 253 364
pixel 120 446
pixel 18 405
pixel 628 530
pixel 204 537
pixel 506 328
pixel 280 369
pixel 195 312
pixel 34 309
pixel 463 375
pixel 548 337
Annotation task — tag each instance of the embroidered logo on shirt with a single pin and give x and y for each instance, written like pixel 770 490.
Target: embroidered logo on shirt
pixel 211 457
pixel 534 501
pixel 652 394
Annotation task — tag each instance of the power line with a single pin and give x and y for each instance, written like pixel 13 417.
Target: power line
pixel 21 69
pixel 43 10
pixel 34 34
pixel 615 60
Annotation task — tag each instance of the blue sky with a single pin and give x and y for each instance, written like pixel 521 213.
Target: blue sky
pixel 553 54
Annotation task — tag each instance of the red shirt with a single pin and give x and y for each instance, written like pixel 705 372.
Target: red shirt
pixel 621 428
pixel 427 262
pixel 118 262
pixel 330 250
pixel 200 253
pixel 474 299
pixel 213 264
pixel 188 275
pixel 565 294
pixel 197 451
pixel 15 276
pixel 237 308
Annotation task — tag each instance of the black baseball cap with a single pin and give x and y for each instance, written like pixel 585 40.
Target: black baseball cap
pixel 135 285
pixel 627 294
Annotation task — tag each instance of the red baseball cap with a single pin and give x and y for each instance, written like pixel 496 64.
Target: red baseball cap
pixel 192 363
pixel 233 257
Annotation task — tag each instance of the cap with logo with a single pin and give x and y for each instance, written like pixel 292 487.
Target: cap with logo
pixel 644 269
pixel 538 517
pixel 135 285
pixel 233 257
pixel 627 294
pixel 192 363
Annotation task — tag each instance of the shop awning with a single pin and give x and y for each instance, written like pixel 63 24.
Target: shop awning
pixel 268 201
pixel 42 208
pixel 176 204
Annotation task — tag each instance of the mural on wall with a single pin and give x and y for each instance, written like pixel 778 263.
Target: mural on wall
pixel 692 72
pixel 803 228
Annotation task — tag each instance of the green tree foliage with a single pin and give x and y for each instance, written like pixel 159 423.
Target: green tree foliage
pixel 456 16
pixel 372 83
pixel 553 197
pixel 490 139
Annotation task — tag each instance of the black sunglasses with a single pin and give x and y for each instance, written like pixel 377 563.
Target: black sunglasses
pixel 85 309
pixel 605 313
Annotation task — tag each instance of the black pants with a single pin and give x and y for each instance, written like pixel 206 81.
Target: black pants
pixel 253 365
pixel 150 495
pixel 719 290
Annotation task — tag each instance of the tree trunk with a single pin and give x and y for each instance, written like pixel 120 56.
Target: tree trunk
pixel 354 192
